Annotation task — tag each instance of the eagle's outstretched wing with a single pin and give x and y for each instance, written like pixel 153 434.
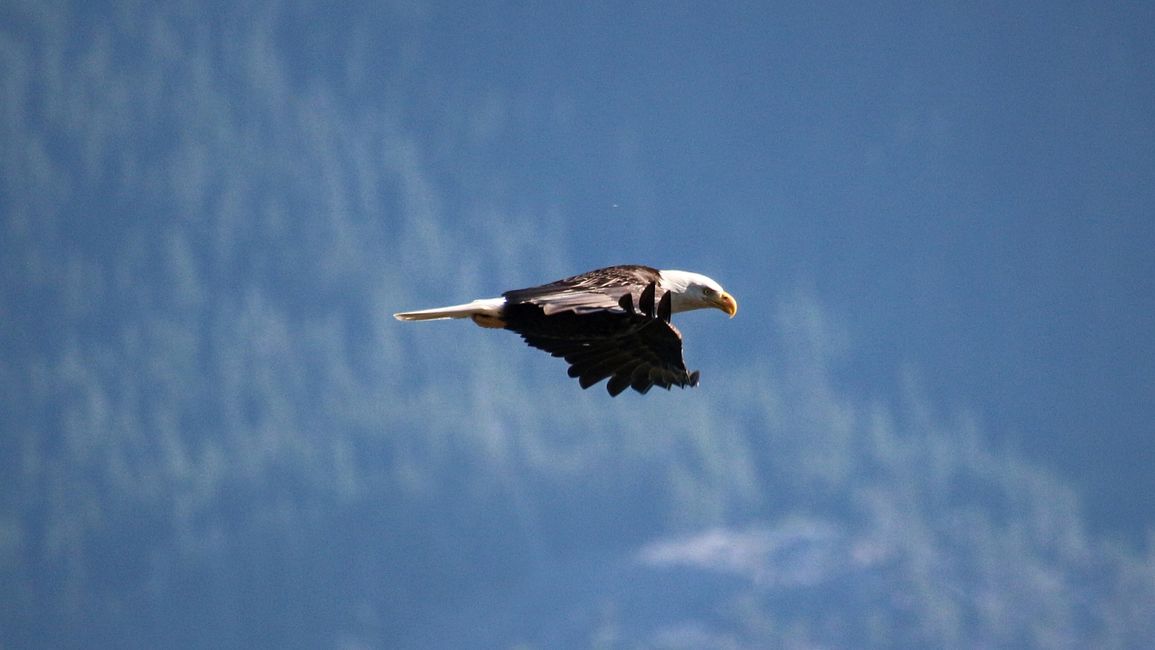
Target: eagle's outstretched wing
pixel 633 347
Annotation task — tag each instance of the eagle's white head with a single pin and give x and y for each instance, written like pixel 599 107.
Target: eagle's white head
pixel 696 291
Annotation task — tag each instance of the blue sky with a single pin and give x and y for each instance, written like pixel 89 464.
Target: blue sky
pixel 970 188
pixel 930 423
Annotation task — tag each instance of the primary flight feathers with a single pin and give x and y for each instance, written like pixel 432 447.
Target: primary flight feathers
pixel 611 323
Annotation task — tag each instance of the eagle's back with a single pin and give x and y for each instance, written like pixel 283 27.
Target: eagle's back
pixel 592 291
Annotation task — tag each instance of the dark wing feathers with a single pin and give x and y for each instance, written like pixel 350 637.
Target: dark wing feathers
pixel 633 348
pixel 617 384
pixel 646 300
pixel 626 302
pixel 665 307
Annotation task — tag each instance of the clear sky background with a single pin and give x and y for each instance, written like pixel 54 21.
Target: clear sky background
pixel 930 423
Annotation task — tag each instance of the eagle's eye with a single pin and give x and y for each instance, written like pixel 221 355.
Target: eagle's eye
pixel 707 291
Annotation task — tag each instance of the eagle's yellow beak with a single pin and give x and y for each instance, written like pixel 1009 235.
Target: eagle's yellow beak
pixel 727 304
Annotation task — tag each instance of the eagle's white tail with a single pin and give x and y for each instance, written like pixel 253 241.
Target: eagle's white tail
pixel 485 308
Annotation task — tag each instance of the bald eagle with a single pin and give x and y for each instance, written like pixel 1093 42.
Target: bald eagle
pixel 611 323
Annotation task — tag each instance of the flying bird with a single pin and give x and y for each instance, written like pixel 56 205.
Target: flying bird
pixel 611 323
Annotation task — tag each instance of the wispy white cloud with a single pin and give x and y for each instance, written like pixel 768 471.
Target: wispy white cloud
pixel 794 553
